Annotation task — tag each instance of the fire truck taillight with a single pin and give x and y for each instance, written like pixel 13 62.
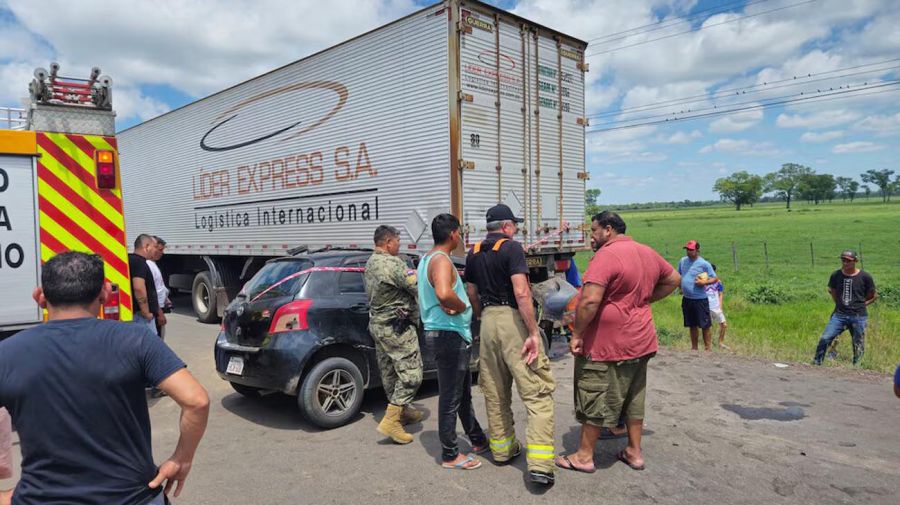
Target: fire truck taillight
pixel 111 307
pixel 106 169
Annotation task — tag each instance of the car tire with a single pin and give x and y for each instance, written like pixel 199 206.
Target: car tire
pixel 321 403
pixel 203 297
pixel 248 391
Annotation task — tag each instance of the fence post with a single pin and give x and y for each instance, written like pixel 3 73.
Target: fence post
pixel 734 256
pixel 766 252
pixel 667 249
pixel 860 256
pixel 812 254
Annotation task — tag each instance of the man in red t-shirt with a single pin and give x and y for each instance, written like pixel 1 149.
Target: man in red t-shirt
pixel 614 338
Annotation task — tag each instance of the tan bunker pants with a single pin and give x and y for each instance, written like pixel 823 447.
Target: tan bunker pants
pixel 503 334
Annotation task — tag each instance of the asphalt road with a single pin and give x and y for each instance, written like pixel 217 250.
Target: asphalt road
pixel 720 429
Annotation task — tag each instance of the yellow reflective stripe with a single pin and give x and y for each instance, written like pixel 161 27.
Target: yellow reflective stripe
pixel 502 443
pixel 536 451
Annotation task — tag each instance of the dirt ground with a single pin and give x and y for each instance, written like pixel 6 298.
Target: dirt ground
pixel 719 429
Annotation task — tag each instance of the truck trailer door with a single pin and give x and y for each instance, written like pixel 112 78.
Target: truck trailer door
pixel 19 244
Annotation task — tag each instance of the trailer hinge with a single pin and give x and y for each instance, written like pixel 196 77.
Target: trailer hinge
pixel 583 121
pixel 463 27
pixel 584 176
pixel 499 168
pixel 466 165
pixel 584 67
pixel 465 97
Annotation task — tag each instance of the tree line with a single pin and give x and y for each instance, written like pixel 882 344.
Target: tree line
pixel 795 181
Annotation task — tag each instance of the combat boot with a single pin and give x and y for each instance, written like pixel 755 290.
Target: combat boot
pixel 411 415
pixel 390 425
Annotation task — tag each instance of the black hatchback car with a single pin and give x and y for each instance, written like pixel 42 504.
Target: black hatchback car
pixel 300 327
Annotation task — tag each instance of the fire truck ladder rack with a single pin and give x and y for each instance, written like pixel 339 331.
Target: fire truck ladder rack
pixel 52 88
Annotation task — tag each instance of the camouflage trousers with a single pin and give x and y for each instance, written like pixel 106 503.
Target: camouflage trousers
pixel 399 362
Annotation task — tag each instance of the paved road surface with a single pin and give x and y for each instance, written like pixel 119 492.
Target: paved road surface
pixel 719 430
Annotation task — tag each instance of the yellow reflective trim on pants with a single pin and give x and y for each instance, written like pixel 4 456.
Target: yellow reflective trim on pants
pixel 540 451
pixel 503 443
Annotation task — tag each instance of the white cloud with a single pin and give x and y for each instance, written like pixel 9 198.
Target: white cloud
pixel 131 102
pixel 881 125
pixel 857 147
pixel 822 119
pixel 737 122
pixel 816 138
pixel 680 137
pixel 743 147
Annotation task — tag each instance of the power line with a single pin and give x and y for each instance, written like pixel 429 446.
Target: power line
pixel 714 107
pixel 701 28
pixel 807 99
pixel 740 90
pixel 666 23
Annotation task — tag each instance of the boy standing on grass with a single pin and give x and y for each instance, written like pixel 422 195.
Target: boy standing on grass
pixel 852 290
pixel 715 293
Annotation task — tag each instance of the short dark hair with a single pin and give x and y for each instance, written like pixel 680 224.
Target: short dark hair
pixel 442 226
pixel 141 240
pixel 610 218
pixel 713 265
pixel 159 240
pixel 385 232
pixel 72 279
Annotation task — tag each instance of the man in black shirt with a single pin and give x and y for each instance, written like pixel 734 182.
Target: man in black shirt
pixel 852 290
pixel 143 287
pixel 511 352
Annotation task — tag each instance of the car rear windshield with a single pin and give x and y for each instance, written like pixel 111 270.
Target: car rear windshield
pixel 272 278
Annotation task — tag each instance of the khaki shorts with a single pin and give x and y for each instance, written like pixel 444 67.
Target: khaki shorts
pixel 608 390
pixel 5 445
pixel 717 316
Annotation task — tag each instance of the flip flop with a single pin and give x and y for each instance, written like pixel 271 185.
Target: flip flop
pixel 624 459
pixel 607 434
pixel 462 464
pixel 570 466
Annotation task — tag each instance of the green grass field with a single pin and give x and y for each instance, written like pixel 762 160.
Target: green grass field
pixel 795 277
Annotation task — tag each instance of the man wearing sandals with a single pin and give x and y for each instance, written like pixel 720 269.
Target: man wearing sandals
pixel 446 314
pixel 614 338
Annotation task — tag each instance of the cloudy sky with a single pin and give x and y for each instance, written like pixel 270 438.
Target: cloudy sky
pixel 804 81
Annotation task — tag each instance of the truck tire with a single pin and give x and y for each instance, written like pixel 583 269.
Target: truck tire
pixel 203 296
pixel 331 393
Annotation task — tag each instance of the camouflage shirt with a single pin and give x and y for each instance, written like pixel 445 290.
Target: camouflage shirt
pixel 390 289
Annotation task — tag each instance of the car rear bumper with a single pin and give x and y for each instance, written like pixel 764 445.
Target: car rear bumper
pixel 278 366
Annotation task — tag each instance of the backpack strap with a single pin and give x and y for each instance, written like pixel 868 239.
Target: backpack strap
pixel 498 244
pixel 477 247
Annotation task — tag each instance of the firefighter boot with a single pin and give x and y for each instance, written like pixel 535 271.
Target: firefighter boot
pixel 411 415
pixel 390 425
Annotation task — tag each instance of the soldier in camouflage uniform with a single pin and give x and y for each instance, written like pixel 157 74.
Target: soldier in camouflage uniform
pixel 393 322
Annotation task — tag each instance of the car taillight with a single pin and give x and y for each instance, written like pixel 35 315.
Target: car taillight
pixel 562 265
pixel 111 307
pixel 291 317
pixel 106 169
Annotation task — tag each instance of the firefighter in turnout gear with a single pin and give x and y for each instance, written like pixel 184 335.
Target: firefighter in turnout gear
pixel 393 323
pixel 511 349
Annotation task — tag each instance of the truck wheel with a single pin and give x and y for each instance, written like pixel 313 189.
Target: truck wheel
pixel 203 295
pixel 248 391
pixel 331 393
pixel 545 339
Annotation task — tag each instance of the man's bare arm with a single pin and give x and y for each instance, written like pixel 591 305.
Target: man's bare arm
pixel 472 291
pixel 834 295
pixel 588 304
pixel 872 297
pixel 194 402
pixel 665 286
pixel 522 292
pixel 442 275
pixel 140 296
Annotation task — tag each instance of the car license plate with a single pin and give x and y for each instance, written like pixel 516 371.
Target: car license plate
pixel 535 261
pixel 235 366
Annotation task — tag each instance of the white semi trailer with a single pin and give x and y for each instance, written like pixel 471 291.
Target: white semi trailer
pixel 453 108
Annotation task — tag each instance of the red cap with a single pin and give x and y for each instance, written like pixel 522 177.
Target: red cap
pixel 692 245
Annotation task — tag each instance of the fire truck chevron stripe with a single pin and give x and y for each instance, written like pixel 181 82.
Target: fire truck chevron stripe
pixel 57 191
pixel 86 233
pixel 64 174
pixel 74 214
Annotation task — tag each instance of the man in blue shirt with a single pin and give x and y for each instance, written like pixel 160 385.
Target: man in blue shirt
pixel 696 274
pixel 75 389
